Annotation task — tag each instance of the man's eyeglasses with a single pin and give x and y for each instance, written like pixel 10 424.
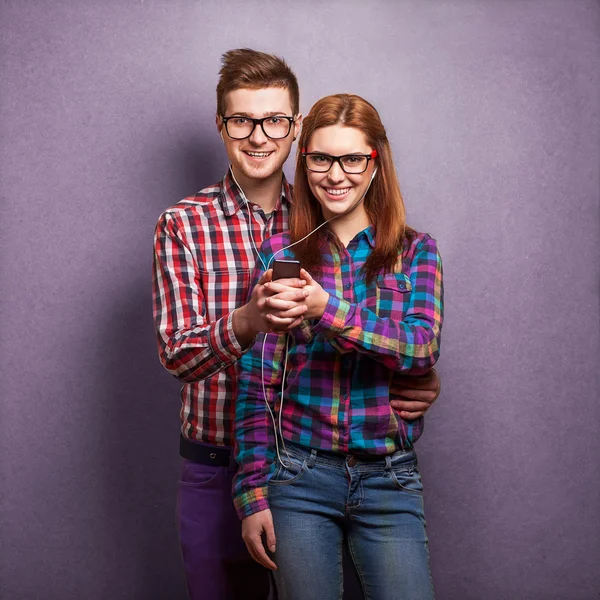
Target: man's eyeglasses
pixel 275 128
pixel 352 164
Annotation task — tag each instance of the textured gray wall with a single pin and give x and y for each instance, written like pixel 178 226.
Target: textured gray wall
pixel 107 118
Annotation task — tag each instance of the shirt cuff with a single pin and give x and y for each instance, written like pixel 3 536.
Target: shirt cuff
pixel 335 317
pixel 223 342
pixel 251 502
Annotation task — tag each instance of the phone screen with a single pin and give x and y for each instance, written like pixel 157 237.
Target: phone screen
pixel 286 269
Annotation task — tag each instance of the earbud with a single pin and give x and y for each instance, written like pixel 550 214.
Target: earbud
pixel 222 135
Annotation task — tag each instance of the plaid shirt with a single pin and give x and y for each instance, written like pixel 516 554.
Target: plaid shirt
pixel 340 368
pixel 203 260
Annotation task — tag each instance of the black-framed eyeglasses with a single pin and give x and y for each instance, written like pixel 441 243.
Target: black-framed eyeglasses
pixel 352 164
pixel 276 127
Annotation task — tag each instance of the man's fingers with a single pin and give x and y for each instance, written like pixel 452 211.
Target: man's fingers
pixel 294 282
pixel 429 381
pixel 403 405
pixel 411 383
pixel 411 416
pixel 291 294
pixel 286 328
pixel 278 303
pixel 296 323
pixel 285 317
pixel 410 411
pixel 284 285
pixel 293 312
pixel 427 396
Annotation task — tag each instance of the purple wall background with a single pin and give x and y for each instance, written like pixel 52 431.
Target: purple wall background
pixel 107 118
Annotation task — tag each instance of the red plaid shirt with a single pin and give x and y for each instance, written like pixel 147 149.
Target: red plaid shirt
pixel 203 261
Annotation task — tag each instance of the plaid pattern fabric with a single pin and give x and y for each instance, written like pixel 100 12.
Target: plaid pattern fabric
pixel 203 260
pixel 340 369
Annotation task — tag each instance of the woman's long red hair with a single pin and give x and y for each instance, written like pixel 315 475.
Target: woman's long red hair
pixel 383 202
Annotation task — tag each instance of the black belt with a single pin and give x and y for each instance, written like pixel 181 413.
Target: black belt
pixel 203 454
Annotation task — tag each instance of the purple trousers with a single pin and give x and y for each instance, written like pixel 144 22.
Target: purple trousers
pixel 215 559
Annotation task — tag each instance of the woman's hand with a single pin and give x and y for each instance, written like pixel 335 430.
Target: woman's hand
pixel 253 528
pixel 317 298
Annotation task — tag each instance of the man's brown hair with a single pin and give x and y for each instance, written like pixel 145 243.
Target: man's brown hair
pixel 246 68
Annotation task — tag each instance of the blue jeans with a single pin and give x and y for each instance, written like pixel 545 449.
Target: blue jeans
pixel 321 501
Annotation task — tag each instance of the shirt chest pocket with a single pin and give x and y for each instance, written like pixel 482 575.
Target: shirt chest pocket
pixel 390 295
pixel 224 291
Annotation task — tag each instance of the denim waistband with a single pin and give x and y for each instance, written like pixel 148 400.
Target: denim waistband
pixel 362 462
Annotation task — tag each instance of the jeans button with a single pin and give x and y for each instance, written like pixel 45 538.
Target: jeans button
pixel 352 461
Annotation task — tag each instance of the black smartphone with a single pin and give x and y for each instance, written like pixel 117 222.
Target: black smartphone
pixel 286 269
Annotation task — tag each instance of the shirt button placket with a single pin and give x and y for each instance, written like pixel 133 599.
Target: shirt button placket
pixel 344 425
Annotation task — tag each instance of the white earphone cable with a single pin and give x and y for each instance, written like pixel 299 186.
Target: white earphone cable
pixel 249 219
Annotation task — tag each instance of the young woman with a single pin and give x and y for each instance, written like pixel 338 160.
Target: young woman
pixel 334 463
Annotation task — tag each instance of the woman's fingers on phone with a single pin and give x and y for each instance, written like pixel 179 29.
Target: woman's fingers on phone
pixel 266 277
pixel 306 276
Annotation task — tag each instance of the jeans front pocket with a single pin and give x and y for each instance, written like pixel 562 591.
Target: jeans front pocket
pixel 289 470
pixel 407 479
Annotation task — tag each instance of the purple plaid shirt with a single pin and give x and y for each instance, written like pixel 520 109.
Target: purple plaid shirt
pixel 340 368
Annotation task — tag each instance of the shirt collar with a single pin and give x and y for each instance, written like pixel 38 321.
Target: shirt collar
pixel 369 233
pixel 232 198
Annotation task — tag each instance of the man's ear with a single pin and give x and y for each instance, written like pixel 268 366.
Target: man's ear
pixel 219 124
pixel 297 126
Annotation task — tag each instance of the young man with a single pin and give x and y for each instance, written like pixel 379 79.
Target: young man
pixel 204 252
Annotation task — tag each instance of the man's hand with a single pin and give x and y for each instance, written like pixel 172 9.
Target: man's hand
pixel 413 396
pixel 272 310
pixel 253 529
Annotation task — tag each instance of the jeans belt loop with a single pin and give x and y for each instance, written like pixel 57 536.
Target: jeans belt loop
pixel 312 458
pixel 388 463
